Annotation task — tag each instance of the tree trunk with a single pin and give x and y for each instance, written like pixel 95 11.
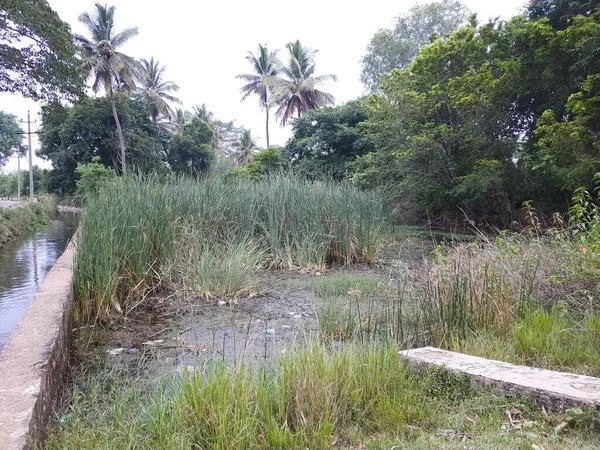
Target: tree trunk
pixel 119 131
pixel 267 127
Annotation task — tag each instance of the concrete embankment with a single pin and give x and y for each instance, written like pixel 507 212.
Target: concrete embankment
pixel 557 390
pixel 33 365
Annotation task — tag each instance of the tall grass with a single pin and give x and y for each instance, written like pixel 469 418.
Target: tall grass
pixel 135 228
pixel 309 398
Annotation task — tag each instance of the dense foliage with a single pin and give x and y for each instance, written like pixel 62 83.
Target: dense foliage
pixel 325 140
pixel 11 136
pixel 74 135
pixel 37 55
pixel 486 106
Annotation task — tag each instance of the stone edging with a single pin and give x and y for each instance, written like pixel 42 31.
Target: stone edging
pixel 34 363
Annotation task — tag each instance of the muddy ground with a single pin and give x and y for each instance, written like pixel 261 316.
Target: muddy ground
pixel 175 332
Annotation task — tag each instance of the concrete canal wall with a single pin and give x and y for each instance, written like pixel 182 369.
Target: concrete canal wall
pixel 34 363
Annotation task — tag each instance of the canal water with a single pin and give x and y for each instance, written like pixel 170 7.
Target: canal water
pixel 24 264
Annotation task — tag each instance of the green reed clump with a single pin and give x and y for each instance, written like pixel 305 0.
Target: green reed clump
pixel 133 229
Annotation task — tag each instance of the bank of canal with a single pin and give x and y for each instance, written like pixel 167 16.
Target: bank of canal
pixel 24 264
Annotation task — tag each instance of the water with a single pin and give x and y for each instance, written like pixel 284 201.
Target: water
pixel 24 264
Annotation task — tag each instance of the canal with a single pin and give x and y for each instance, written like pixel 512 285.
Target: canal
pixel 24 264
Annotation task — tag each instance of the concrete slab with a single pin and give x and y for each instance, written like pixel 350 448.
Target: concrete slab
pixel 554 389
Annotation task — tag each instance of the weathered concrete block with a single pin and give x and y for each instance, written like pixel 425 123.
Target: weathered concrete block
pixel 547 387
pixel 34 362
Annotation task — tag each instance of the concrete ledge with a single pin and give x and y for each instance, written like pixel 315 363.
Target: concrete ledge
pixel 33 365
pixel 558 390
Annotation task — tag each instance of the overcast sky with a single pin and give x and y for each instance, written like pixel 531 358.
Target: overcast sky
pixel 204 44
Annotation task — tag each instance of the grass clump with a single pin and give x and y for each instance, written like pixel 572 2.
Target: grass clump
pixel 340 284
pixel 556 339
pixel 136 229
pixel 18 220
pixel 306 399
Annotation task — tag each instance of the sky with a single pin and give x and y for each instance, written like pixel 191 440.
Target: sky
pixel 204 45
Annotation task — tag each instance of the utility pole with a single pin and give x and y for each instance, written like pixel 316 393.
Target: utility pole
pixel 30 159
pixel 29 133
pixel 19 175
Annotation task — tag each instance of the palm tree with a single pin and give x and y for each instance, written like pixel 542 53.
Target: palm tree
pixel 179 120
pixel 203 113
pixel 246 146
pixel 266 66
pixel 110 69
pixel 297 93
pixel 155 89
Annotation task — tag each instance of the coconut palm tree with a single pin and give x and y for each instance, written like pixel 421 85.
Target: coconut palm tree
pixel 296 92
pixel 202 112
pixel 109 68
pixel 266 66
pixel 179 120
pixel 245 145
pixel 154 89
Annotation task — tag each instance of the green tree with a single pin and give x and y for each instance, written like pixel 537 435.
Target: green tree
pixel 101 60
pixel 11 136
pixel 245 145
pixel 92 176
pixel 191 152
pixel 560 12
pixel 324 141
pixel 179 120
pixel 396 48
pixel 296 91
pixel 71 136
pixel 156 90
pixel 37 56
pixel 265 67
pixel 444 131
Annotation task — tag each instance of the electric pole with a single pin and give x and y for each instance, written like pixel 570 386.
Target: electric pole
pixel 30 159
pixel 29 133
pixel 19 174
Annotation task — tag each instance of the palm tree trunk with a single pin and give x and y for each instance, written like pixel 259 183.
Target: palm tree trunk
pixel 267 127
pixel 119 130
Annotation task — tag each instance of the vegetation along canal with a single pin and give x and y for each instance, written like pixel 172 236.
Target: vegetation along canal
pixel 24 264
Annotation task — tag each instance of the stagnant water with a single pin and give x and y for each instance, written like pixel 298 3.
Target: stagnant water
pixel 24 264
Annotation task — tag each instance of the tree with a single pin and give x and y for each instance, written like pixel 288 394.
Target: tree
pixel 101 60
pixel 396 48
pixel 560 12
pixel 92 176
pixel 265 67
pixel 179 120
pixel 324 141
pixel 37 56
pixel 245 145
pixel 72 136
pixel 191 152
pixel 444 132
pixel 296 92
pixel 155 90
pixel 11 136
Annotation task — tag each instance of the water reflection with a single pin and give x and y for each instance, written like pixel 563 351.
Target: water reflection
pixel 23 266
